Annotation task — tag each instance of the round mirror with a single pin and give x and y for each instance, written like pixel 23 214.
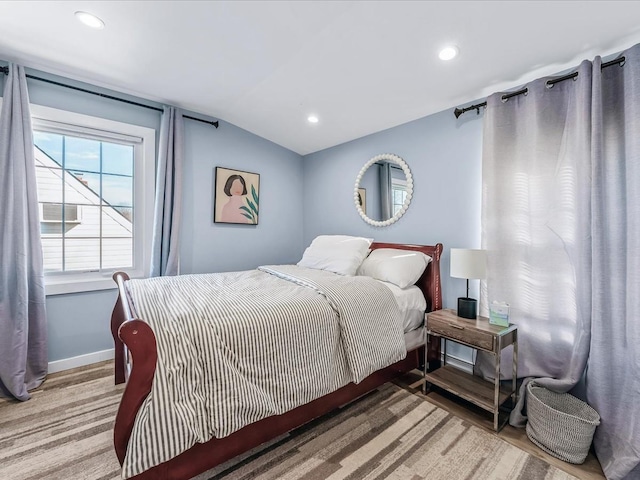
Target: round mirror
pixel 383 190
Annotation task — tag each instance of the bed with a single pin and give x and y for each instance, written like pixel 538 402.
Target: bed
pixel 136 358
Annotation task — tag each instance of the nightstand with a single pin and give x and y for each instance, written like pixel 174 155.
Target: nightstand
pixel 481 335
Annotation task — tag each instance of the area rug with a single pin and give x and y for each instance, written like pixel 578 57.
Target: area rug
pixel 64 432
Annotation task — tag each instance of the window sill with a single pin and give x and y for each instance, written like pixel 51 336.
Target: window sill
pixel 87 282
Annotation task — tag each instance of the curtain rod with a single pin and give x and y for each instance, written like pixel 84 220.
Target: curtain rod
pixel 5 70
pixel 459 111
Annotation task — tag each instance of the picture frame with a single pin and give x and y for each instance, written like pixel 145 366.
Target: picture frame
pixel 362 198
pixel 236 197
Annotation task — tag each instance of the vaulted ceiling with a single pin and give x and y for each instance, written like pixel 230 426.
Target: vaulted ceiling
pixel 360 66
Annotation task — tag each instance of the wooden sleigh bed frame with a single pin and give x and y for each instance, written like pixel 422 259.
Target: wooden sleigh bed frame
pixel 135 363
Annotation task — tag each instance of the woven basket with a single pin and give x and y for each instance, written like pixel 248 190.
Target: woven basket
pixel 560 424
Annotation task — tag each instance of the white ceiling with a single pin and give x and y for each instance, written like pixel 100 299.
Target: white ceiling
pixel 361 66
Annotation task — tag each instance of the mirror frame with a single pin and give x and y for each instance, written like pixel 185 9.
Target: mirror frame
pixel 390 157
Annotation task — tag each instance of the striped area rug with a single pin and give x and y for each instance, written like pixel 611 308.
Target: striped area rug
pixel 64 432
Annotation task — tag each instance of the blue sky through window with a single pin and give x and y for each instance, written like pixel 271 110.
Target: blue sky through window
pixel 82 159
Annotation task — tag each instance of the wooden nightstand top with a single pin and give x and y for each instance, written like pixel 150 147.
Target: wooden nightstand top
pixel 478 333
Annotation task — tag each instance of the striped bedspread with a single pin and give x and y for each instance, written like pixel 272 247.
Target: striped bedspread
pixel 237 347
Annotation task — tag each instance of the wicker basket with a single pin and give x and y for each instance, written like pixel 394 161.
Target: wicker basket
pixel 560 424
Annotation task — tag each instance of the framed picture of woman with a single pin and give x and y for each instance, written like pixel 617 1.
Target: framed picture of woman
pixel 236 197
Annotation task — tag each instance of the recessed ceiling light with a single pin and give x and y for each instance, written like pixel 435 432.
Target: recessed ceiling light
pixel 448 53
pixel 90 20
pixel 313 119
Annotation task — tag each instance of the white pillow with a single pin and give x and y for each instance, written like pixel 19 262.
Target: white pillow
pixel 337 253
pixel 400 267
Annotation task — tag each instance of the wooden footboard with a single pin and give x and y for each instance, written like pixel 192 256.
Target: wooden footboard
pixel 135 345
pixel 135 363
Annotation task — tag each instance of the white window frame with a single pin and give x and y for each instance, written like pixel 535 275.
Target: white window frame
pixel 71 123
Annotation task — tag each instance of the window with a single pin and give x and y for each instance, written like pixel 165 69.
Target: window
pixel 95 194
pixel 399 193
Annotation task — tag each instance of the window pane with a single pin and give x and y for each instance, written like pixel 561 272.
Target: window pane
pixel 49 182
pixel 52 252
pixel 117 252
pixel 126 212
pixel 87 223
pixel 117 159
pixel 81 253
pixel 115 224
pixel 50 144
pixel 82 154
pixel 82 188
pixel 117 190
pixel 50 218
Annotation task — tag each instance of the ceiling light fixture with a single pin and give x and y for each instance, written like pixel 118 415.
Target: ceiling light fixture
pixel 90 20
pixel 313 119
pixel 448 53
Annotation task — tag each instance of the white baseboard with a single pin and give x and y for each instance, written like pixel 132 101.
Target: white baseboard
pixel 81 360
pixel 101 356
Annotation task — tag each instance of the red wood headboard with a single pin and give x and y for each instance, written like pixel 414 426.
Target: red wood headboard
pixel 429 283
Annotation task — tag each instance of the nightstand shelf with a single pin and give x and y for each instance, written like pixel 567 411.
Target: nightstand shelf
pixel 469 387
pixel 481 335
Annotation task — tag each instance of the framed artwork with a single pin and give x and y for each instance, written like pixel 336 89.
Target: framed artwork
pixel 362 198
pixel 236 197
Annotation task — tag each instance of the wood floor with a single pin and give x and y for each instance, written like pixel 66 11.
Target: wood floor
pixel 589 470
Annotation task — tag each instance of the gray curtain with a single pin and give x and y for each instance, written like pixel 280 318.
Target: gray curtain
pixel 561 223
pixel 613 373
pixel 23 322
pixel 386 191
pixel 535 227
pixel 165 256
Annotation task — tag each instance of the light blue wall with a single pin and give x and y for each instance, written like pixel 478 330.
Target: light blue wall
pixel 219 247
pixel 79 323
pixel 444 155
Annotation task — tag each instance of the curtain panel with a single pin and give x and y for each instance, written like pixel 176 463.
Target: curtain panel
pixel 613 372
pixel 536 169
pixel 561 224
pixel 23 322
pixel 386 191
pixel 165 253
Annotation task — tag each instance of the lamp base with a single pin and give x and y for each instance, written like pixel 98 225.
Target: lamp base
pixel 467 308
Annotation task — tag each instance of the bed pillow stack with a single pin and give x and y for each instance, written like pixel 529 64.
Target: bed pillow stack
pixel 341 254
pixel 400 267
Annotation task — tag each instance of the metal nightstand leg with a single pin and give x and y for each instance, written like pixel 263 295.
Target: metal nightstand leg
pixel 514 381
pixel 425 363
pixel 496 391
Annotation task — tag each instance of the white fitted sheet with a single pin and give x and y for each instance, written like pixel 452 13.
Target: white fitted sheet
pixel 412 304
pixel 415 338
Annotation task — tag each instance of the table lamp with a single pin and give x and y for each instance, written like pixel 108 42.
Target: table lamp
pixel 469 264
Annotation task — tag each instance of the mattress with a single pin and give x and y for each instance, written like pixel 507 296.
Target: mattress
pixel 415 338
pixel 411 303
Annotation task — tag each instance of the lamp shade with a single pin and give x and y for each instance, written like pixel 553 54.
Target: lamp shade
pixel 468 263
